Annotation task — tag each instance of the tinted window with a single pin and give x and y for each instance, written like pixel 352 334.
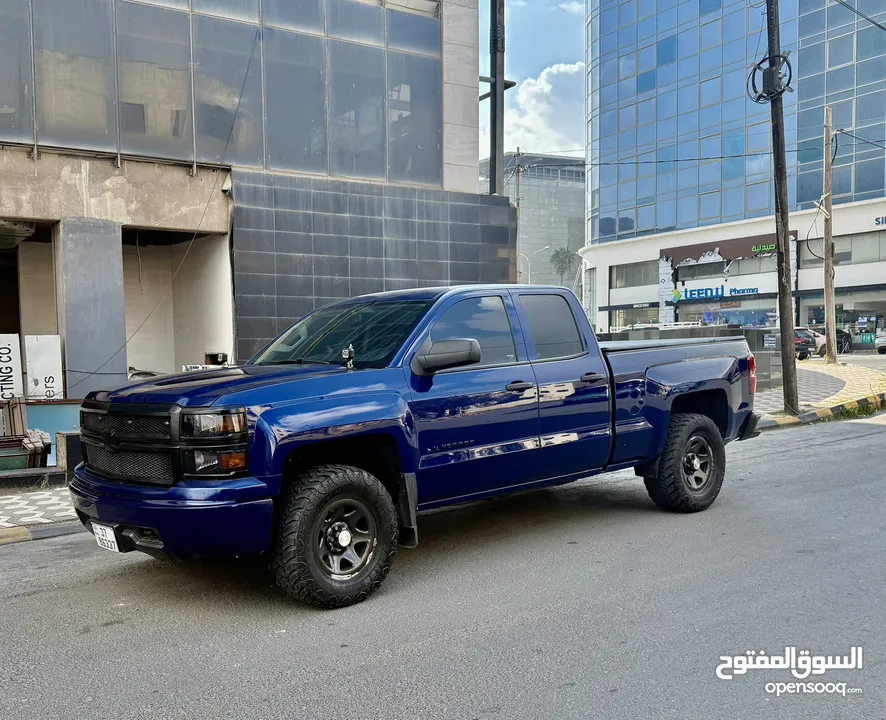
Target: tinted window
pixel 74 59
pixel 16 109
pixel 357 110
pixel 485 320
pixel 154 71
pixel 295 80
pixel 228 84
pixel 415 118
pixel 552 326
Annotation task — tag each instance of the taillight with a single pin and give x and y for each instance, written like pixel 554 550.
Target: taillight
pixel 752 380
pixel 797 340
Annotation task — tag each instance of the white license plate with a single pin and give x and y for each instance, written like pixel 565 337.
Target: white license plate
pixel 105 537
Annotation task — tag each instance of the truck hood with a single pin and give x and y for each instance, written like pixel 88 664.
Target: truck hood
pixel 205 387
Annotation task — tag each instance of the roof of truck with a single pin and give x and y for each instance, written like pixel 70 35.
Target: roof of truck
pixel 432 293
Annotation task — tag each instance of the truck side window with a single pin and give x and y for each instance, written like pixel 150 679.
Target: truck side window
pixel 552 326
pixel 485 320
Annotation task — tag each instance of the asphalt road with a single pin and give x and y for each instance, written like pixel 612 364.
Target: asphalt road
pixel 581 602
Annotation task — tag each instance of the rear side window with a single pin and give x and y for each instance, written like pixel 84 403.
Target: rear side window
pixel 485 320
pixel 552 326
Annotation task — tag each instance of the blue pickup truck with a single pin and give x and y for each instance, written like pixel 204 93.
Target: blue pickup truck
pixel 323 448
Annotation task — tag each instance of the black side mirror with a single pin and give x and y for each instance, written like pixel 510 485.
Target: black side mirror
pixel 445 354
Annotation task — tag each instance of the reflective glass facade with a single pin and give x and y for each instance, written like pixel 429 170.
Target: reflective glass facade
pixel 332 87
pixel 675 142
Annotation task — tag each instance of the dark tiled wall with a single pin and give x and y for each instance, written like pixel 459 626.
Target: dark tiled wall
pixel 300 243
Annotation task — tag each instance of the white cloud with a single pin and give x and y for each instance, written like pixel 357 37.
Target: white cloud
pixel 573 7
pixel 544 114
pixel 517 3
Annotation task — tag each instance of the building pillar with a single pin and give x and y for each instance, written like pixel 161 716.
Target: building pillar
pixel 90 302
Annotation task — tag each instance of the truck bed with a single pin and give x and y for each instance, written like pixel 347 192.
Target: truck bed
pixel 646 373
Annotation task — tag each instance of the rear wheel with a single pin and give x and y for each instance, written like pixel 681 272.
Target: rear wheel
pixel 692 466
pixel 823 350
pixel 336 536
pixel 882 350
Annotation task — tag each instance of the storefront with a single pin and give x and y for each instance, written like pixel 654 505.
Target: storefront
pixel 860 313
pixel 727 274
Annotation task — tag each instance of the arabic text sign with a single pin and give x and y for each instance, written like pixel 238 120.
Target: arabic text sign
pixel 799 662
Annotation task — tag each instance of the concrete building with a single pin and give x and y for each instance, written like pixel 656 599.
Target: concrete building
pixel 680 193
pixel 185 178
pixel 551 202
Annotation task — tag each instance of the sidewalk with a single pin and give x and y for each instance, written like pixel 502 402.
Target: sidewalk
pixel 822 386
pixel 36 508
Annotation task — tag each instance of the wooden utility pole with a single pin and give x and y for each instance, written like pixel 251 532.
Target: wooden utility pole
pixel 830 306
pixel 772 86
pixel 518 170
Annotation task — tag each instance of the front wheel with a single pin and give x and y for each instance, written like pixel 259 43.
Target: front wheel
pixel 336 536
pixel 882 350
pixel 692 466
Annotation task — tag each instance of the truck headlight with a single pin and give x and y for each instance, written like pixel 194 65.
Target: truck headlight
pixel 213 424
pixel 212 462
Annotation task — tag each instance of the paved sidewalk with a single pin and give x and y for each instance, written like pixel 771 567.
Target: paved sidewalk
pixel 36 508
pixel 821 386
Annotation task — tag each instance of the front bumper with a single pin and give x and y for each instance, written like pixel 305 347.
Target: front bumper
pixel 187 521
pixel 749 429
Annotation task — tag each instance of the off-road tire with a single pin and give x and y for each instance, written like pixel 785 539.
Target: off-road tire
pixel 668 488
pixel 294 563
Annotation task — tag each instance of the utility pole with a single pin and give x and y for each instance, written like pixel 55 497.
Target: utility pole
pixel 497 99
pixel 772 89
pixel 830 306
pixel 518 170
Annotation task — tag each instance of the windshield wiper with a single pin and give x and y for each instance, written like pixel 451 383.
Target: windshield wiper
pixel 300 361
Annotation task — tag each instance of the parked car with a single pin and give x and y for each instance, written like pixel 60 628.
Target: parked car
pixel 323 448
pixel 844 341
pixel 880 342
pixel 804 343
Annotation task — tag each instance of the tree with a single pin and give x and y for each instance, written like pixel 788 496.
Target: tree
pixel 563 260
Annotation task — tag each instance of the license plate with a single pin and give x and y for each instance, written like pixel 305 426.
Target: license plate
pixel 105 537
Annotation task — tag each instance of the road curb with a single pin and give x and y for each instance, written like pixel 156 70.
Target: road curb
pixel 834 412
pixel 24 533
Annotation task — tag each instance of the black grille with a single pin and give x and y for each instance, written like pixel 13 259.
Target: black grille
pixel 152 467
pixel 105 424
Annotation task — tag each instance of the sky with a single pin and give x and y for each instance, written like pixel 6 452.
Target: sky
pixel 544 54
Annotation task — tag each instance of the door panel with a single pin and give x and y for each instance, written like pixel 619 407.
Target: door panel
pixel 574 396
pixel 477 426
pixel 474 434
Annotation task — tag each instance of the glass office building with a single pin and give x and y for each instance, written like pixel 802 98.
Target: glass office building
pixel 675 142
pixel 680 197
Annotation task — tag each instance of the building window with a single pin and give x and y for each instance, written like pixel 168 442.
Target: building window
pixel 700 271
pixel 848 250
pixel 752 266
pixel 633 316
pixel 634 275
pixel 132 118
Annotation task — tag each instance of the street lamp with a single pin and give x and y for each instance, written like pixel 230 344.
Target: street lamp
pixel 529 263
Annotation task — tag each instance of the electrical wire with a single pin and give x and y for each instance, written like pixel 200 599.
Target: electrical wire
pixel 88 374
pixel 861 14
pixel 863 140
pixel 809 231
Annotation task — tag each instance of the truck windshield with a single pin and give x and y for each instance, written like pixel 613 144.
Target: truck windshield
pixel 375 330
